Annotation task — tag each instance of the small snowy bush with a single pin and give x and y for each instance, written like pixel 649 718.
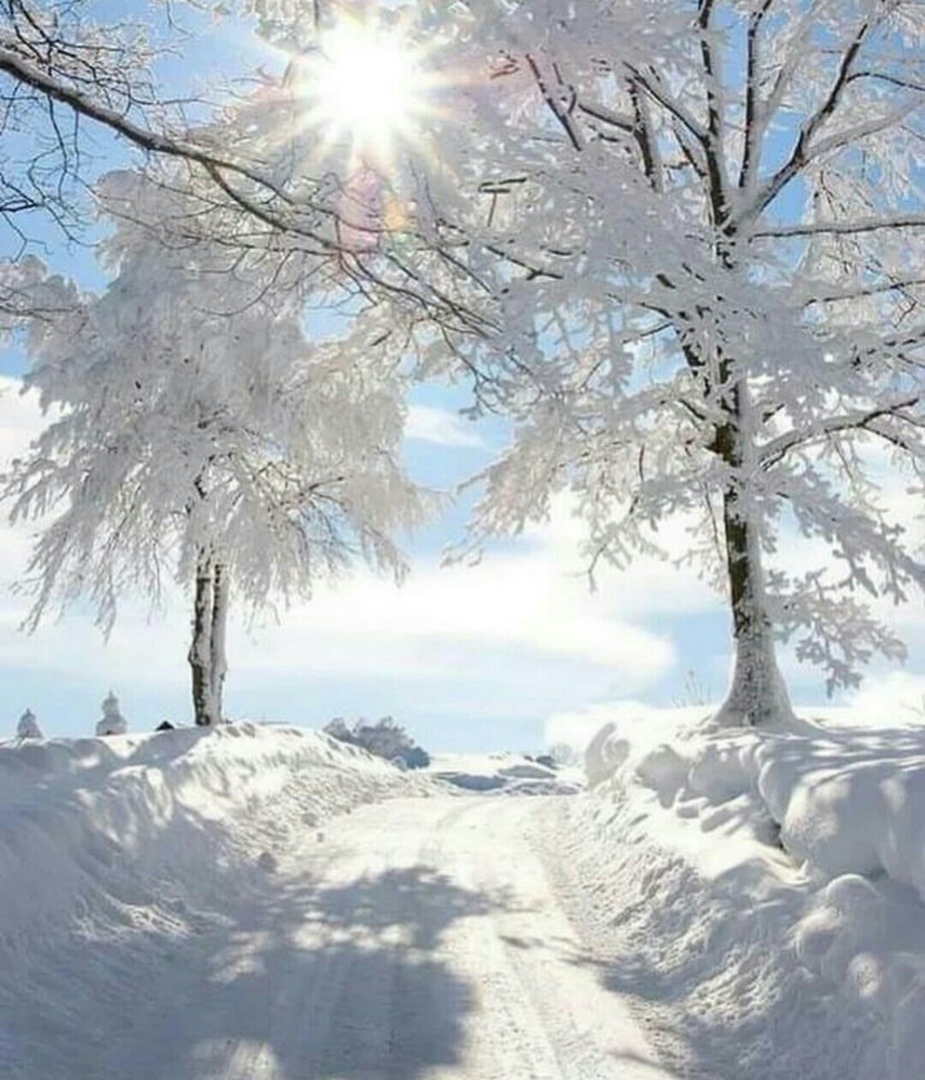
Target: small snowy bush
pixel 113 722
pixel 385 739
pixel 28 726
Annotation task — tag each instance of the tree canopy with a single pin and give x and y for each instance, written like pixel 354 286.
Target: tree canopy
pixel 677 242
pixel 200 432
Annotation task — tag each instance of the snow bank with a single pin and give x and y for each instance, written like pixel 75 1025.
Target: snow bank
pixel 503 774
pixel 850 801
pixel 779 877
pixel 96 825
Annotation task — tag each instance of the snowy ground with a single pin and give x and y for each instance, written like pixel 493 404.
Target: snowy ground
pixel 265 903
pixel 199 906
pixel 83 821
pixel 504 774
pixel 117 854
pixel 762 897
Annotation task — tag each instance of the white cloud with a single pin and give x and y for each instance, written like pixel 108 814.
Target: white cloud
pixel 441 427
pixel 647 588
pixel 578 727
pixel 20 418
pixel 514 602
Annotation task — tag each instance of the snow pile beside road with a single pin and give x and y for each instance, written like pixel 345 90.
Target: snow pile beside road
pixel 777 891
pixel 503 774
pixel 91 826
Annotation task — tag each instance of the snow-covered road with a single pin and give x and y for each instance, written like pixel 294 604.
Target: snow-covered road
pixel 417 938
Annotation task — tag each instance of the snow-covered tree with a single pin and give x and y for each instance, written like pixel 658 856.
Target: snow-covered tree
pixel 697 229
pixel 385 738
pixel 112 721
pixel 678 241
pixel 28 726
pixel 202 435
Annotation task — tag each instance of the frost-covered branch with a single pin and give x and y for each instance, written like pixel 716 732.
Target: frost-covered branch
pixel 653 301
pixel 772 452
pixel 842 228
pixel 202 438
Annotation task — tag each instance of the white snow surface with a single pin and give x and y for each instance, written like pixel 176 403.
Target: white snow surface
pixel 504 773
pixel 199 905
pixel 84 823
pixel 767 889
pixel 719 905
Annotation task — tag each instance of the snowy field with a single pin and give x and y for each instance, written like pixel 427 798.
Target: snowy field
pixel 762 897
pixel 264 902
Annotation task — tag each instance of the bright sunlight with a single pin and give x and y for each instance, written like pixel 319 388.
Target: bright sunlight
pixel 365 84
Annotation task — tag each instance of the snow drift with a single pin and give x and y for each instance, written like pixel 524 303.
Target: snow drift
pixel 503 774
pixel 97 826
pixel 777 891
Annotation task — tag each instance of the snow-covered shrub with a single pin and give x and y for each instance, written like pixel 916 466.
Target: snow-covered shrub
pixel 603 755
pixel 563 755
pixel 385 739
pixel 28 726
pixel 113 722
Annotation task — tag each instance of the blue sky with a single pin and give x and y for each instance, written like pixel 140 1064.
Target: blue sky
pixel 491 656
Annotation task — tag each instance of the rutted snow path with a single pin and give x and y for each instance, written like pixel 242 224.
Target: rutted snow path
pixel 419 938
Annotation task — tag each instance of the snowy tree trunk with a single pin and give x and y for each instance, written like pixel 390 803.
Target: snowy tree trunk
pixel 201 652
pixel 218 661
pixel 757 694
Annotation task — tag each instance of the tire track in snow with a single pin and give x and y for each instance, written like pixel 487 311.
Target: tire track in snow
pixel 421 940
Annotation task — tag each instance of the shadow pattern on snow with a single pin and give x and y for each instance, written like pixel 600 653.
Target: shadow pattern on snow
pixel 677 946
pixel 297 982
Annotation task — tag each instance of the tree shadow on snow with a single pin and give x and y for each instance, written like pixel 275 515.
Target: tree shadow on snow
pixel 296 983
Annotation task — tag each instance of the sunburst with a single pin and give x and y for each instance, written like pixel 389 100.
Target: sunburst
pixel 365 88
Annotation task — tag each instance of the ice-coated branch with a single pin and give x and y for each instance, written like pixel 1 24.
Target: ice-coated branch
pixel 774 450
pixel 752 119
pixel 560 100
pixel 803 149
pixel 841 228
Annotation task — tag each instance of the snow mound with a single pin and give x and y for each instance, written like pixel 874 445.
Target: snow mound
pixel 850 801
pixel 503 774
pixel 779 884
pixel 101 825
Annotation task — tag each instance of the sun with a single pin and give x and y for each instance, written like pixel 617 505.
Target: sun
pixel 365 85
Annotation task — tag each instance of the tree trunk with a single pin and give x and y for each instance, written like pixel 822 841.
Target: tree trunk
pixel 219 663
pixel 757 694
pixel 200 653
